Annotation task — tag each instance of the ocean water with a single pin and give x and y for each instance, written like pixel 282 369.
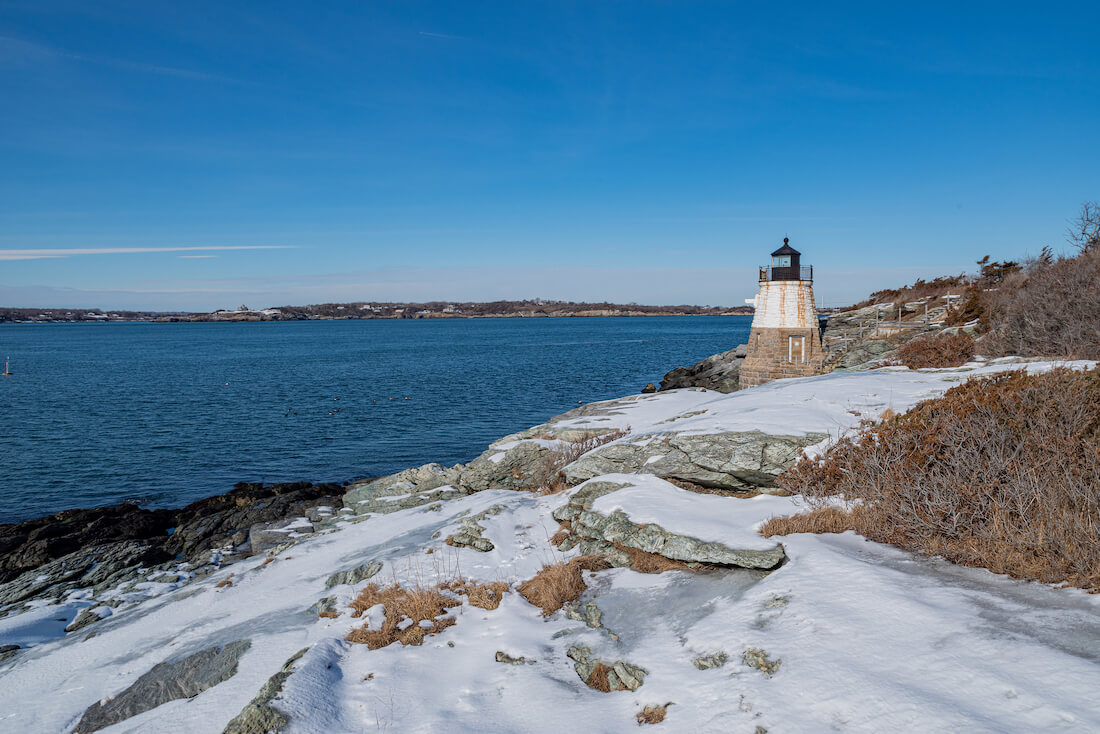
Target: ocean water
pixel 164 414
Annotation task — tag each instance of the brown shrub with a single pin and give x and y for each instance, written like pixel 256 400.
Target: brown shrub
pixel 227 581
pixel 559 583
pixel 1051 309
pixel 1002 473
pixel 652 714
pixel 418 605
pixel 940 350
pixel 482 594
pixel 559 537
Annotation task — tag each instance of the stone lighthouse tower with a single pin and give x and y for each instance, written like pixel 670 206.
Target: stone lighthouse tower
pixel 785 340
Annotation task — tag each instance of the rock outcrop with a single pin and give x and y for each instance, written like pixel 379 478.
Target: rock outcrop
pixel 260 716
pixel 749 460
pixel 164 682
pixel 720 372
pixel 614 534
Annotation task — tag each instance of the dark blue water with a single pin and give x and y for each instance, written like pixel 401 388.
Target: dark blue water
pixel 166 414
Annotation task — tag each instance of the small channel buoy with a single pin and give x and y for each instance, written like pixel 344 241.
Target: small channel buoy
pixel 7 367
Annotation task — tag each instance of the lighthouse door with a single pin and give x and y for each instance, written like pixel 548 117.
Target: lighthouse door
pixel 794 349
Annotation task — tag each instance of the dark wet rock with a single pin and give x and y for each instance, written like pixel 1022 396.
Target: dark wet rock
pixel 34 543
pixel 226 519
pixel 164 682
pixel 104 547
pixel 260 716
pixel 8 651
pixel 649 388
pixel 353 576
pixel 97 566
pixel 720 372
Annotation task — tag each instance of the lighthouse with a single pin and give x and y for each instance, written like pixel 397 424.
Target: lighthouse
pixel 785 340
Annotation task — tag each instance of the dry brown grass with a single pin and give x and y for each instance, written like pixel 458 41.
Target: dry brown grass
pixel 329 614
pixel 940 350
pixel 1001 473
pixel 652 714
pixel 482 594
pixel 818 520
pixel 267 561
pixel 400 604
pixel 226 582
pixel 559 583
pixel 645 562
pixel 557 538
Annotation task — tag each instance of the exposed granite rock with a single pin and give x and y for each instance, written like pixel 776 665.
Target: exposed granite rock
pixel 325 607
pixel 87 616
pixel 607 535
pixel 649 388
pixel 263 537
pixel 409 488
pixel 353 576
pixel 503 657
pixel 259 716
pixel 164 682
pixel 590 614
pixel 522 465
pixel 748 460
pixel 469 533
pixel 226 519
pixel 707 662
pixel 757 658
pixel 720 372
pixel 620 676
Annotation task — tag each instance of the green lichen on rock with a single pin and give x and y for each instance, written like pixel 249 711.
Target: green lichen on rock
pixel 607 535
pixel 469 534
pixel 503 657
pixel 708 662
pixel 354 575
pixel 259 716
pixel 620 676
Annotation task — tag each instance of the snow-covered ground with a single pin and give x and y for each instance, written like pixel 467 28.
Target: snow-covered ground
pixel 871 639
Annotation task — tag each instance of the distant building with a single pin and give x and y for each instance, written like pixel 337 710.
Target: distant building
pixel 785 340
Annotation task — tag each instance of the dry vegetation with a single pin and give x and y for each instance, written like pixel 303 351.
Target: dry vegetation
pixel 482 594
pixel 939 350
pixel 645 562
pixel 400 604
pixel 919 291
pixel 559 583
pixel 550 477
pixel 1002 473
pixel 652 714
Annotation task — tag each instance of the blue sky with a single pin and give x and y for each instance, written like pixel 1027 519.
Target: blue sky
pixel 630 151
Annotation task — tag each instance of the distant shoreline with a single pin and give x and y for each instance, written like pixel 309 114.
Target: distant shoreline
pixel 371 311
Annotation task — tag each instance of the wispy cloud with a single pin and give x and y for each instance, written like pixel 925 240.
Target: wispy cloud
pixel 21 50
pixel 41 254
pixel 443 35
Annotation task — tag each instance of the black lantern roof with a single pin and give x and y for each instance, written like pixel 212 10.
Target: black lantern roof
pixel 786 249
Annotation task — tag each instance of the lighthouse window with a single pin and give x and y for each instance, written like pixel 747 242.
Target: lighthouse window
pixel 781 261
